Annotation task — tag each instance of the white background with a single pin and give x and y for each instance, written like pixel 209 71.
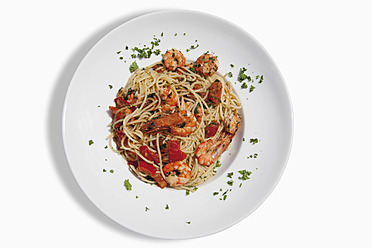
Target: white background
pixel 324 51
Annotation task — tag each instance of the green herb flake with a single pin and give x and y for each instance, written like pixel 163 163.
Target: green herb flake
pixel 147 209
pixel 232 66
pixel 253 141
pixel 166 207
pixel 104 170
pixel 188 222
pixel 230 74
pixel 91 142
pixel 244 175
pixel 133 67
pixel 252 88
pixel 231 182
pixel 218 164
pixel 106 147
pixel 110 86
pixel 111 171
pixel 127 185
pixel 137 196
pixel 230 174
pixel 244 86
pixel 215 193
pixel 261 79
pixel 187 192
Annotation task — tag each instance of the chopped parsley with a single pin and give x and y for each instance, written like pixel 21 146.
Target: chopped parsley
pixel 91 142
pixel 110 86
pixel 218 164
pixel 231 182
pixel 230 174
pixel 166 207
pixel 188 222
pixel 244 174
pixel 133 67
pixel 261 79
pixel 242 76
pixel 104 170
pixel 253 141
pixel 127 185
pixel 111 171
pixel 147 209
pixel 252 88
pixel 244 85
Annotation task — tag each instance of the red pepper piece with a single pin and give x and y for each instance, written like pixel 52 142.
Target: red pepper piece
pixel 211 129
pixel 150 155
pixel 152 171
pixel 146 168
pixel 174 151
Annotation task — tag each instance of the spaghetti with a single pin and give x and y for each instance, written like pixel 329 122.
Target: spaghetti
pixel 171 122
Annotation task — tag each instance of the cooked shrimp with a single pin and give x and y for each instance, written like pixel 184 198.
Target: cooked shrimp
pixel 162 123
pixel 174 59
pixel 232 122
pixel 177 173
pixel 187 126
pixel 169 99
pixel 180 123
pixel 209 151
pixel 206 65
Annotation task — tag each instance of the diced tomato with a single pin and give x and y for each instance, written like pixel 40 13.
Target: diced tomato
pixel 134 163
pixel 174 151
pixel 160 180
pixel 211 129
pixel 120 102
pixel 119 135
pixel 146 168
pixel 151 170
pixel 113 110
pixel 118 116
pixel 150 155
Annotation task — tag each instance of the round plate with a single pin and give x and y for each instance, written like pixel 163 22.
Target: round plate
pixel 261 148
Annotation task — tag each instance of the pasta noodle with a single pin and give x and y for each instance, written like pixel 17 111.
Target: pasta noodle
pixel 143 126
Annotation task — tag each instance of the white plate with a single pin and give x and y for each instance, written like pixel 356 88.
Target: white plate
pixel 267 114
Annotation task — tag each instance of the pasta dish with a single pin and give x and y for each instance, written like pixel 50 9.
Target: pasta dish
pixel 173 120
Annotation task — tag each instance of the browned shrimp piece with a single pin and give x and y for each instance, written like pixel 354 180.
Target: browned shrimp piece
pixel 174 59
pixel 206 65
pixel 180 123
pixel 209 151
pixel 215 92
pixel 162 123
pixel 232 123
